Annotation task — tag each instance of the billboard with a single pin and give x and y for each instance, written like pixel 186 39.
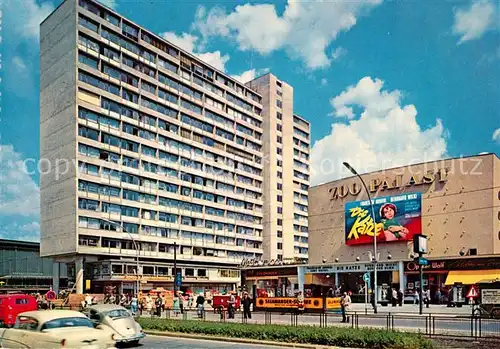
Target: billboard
pixel 398 218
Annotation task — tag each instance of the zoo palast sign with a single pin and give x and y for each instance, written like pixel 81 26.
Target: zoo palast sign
pixel 396 182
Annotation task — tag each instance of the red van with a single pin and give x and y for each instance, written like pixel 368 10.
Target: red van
pixel 13 304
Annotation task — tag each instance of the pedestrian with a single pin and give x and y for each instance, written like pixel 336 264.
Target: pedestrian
pixel 300 301
pixel 438 296
pixel 394 297
pixel 417 297
pixel 372 300
pixel 427 297
pixel 134 304
pixel 181 301
pixel 345 301
pixel 331 293
pixel 176 305
pixel 230 305
pixel 400 297
pixel 190 301
pixel 200 305
pixel 158 304
pixel 247 302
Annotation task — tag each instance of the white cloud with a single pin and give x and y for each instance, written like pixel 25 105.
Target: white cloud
pixel 28 15
pixel 249 75
pixel 191 44
pixel 496 135
pixel 29 231
pixel 109 3
pixel 305 30
pixel 324 82
pixel 472 22
pixel 338 53
pixel 384 134
pixel 19 194
pixel 19 64
pixel 185 41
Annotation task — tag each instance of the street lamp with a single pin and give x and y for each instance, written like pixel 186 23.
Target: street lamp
pixel 136 250
pixel 374 259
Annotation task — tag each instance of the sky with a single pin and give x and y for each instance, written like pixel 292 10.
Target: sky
pixel 383 83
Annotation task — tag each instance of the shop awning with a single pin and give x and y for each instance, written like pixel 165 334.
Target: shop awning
pixel 471 277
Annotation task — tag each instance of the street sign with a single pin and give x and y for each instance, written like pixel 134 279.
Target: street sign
pixel 178 279
pixel 366 278
pixel 473 292
pixel 423 261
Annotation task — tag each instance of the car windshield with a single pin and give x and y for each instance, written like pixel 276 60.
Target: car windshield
pixel 67 322
pixel 117 313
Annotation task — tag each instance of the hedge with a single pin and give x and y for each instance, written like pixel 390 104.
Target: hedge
pixel 332 336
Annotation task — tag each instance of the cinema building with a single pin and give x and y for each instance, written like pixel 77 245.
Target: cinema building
pixel 455 202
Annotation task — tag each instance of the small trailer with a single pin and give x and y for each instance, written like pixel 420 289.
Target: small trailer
pixel 489 299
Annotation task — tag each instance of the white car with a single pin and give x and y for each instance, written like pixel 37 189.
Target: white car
pixel 55 328
pixel 117 320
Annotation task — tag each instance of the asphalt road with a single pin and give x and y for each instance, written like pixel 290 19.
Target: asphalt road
pixel 181 343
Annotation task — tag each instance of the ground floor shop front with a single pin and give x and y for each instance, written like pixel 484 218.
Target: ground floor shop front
pixel 441 275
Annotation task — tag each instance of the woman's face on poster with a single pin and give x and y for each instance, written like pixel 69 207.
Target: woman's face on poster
pixel 388 212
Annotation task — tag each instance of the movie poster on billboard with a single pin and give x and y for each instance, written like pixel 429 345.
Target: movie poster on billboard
pixel 398 218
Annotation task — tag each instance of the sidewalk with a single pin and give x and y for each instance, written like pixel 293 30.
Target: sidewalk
pixel 408 309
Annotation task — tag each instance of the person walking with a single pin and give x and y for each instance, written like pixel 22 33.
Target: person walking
pixel 400 297
pixel 417 297
pixel 427 297
pixel 134 304
pixel 158 304
pixel 181 301
pixel 230 306
pixel 200 305
pixel 247 302
pixel 345 301
pixel 176 305
pixel 394 297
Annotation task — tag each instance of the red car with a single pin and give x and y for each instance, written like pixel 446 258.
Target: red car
pixel 13 304
pixel 220 302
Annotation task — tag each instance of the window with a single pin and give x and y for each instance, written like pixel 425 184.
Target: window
pixel 279 186
pixel 87 23
pixel 279 245
pixel 202 272
pixel 279 116
pixel 279 103
pixel 280 210
pixel 279 198
pixel 279 127
pixel 279 139
pixel 280 222
pixel 280 174
pixel 87 60
pixel 280 234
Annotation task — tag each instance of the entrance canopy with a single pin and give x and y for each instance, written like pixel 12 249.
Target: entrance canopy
pixel 471 277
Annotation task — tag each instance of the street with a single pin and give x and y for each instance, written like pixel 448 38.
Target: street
pixel 443 321
pixel 181 343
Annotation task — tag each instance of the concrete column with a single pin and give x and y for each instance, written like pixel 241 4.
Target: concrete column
pixel 301 278
pixel 402 281
pixel 336 280
pixel 79 275
pixel 56 276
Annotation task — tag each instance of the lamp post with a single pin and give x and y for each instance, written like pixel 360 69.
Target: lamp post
pixel 136 250
pixel 374 259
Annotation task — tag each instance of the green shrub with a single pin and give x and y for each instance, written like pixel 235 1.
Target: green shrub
pixel 332 336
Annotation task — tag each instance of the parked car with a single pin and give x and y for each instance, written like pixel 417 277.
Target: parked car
pixel 117 320
pixel 13 304
pixel 55 328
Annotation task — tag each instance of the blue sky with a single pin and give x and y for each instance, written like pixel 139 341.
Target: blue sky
pixel 384 83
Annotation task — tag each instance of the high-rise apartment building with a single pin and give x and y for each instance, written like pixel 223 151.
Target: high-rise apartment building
pixel 286 171
pixel 152 154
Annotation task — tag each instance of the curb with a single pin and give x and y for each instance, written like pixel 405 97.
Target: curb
pixel 239 340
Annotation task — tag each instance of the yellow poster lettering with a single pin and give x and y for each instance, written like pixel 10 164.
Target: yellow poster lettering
pixel 363 225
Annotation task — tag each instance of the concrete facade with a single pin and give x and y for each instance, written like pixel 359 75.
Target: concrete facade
pixel 460 209
pixel 145 142
pixel 286 171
